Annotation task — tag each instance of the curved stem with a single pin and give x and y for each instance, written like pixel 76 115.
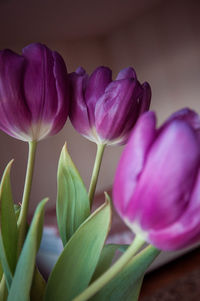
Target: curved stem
pixel 95 173
pixel 22 221
pixel 112 272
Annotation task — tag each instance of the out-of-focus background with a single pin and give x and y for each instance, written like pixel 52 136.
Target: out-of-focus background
pixel 160 39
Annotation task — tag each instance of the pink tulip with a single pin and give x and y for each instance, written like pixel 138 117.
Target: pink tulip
pixel 157 183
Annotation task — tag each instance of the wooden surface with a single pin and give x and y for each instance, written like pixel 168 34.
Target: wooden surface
pixel 178 280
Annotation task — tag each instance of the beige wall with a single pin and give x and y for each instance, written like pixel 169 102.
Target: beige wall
pixel 164 47
pixel 162 44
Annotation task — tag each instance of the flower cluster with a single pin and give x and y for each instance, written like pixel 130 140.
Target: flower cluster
pixel 156 189
pixel 35 96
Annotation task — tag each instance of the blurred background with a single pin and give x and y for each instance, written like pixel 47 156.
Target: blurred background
pixel 160 39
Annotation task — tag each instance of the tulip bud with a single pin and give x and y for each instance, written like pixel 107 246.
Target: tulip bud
pixel 33 93
pixel 157 182
pixel 105 111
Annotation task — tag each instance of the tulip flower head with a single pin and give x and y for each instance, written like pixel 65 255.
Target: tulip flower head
pixel 157 182
pixel 103 110
pixel 33 93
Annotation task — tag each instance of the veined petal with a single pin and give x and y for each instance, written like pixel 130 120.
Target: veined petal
pixel 78 112
pixel 163 190
pixel 45 89
pixel 97 83
pixel 15 116
pixel 117 110
pixel 132 161
pixel 126 73
pixel 39 82
pixel 62 89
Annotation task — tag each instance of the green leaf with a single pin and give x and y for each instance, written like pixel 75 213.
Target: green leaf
pixel 106 258
pixel 72 205
pixel 1 272
pixel 75 267
pixel 134 292
pixel 8 224
pixel 38 286
pixel 22 280
pixel 6 268
pixel 126 285
pixel 3 289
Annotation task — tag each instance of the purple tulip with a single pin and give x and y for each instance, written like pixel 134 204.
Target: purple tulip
pixel 157 183
pixel 33 93
pixel 105 111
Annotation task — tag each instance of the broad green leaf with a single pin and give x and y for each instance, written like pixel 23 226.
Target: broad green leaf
pixel 126 285
pixel 6 268
pixel 106 258
pixel 72 205
pixel 8 225
pixel 134 292
pixel 22 280
pixel 75 267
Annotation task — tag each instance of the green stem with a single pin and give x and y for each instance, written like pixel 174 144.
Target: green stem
pixel 95 173
pixel 112 272
pixel 22 221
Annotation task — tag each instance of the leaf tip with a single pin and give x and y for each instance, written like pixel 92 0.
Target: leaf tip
pixel 9 165
pixel 65 149
pixel 108 202
pixel 45 200
pixel 107 198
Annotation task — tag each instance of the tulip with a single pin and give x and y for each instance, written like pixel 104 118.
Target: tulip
pixel 157 183
pixel 105 111
pixel 33 105
pixel 33 93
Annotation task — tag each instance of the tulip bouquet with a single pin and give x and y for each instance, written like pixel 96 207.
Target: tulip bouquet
pixel 156 189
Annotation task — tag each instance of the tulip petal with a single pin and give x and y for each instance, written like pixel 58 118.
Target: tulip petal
pixel 80 71
pixel 14 113
pixel 97 83
pixel 62 90
pixel 39 82
pixel 78 112
pixel 117 110
pixel 163 190
pixel 184 231
pixel 145 99
pixel 126 73
pixel 189 116
pixel 132 161
pixel 45 89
